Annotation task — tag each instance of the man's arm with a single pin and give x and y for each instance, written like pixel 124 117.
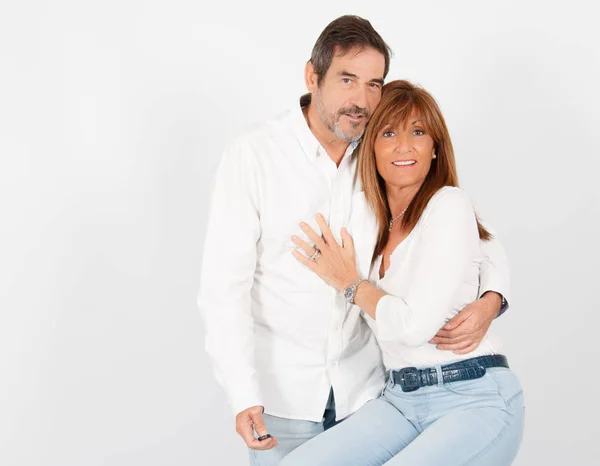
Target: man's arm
pixel 229 262
pixel 494 276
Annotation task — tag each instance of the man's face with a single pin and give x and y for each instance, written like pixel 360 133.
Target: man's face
pixel 349 92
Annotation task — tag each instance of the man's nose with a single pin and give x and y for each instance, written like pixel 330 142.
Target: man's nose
pixel 359 98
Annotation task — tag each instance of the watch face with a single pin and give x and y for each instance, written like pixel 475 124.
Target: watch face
pixel 348 293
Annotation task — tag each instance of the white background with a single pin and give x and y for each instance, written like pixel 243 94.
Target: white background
pixel 112 118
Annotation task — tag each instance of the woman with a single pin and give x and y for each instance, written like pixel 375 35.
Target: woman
pixel 437 408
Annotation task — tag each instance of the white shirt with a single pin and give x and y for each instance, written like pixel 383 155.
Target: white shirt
pixel 433 274
pixel 278 335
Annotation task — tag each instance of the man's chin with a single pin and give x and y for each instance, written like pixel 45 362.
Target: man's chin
pixel 351 132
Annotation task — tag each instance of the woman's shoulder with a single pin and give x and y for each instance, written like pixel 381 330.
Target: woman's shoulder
pixel 449 199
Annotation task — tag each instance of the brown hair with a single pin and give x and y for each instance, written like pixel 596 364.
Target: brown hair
pixel 399 99
pixel 341 35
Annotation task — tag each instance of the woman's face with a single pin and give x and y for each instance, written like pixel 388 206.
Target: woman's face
pixel 403 155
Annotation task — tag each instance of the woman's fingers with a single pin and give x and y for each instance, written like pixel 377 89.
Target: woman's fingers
pixel 307 248
pixel 329 239
pixel 311 264
pixel 316 239
pixel 347 241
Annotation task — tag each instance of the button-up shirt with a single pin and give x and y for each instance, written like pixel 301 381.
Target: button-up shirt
pixel 277 334
pixel 433 274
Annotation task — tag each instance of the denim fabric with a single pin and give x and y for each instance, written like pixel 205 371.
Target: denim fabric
pixel 290 434
pixel 474 422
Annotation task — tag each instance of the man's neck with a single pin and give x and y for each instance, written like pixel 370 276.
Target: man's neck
pixel 334 146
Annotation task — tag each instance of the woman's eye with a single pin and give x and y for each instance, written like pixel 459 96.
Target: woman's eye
pixel 418 132
pixel 388 134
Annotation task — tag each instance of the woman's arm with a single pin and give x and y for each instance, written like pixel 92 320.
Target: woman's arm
pixel 448 242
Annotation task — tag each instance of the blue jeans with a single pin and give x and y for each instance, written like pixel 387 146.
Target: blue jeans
pixel 290 434
pixel 475 422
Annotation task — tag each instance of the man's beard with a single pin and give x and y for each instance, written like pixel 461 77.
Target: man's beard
pixel 332 121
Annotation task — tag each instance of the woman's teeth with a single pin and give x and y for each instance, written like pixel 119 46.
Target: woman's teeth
pixel 404 162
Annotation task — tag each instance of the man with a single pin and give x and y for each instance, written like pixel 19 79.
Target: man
pixel 283 342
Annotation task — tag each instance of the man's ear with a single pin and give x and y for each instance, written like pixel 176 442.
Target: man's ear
pixel 311 78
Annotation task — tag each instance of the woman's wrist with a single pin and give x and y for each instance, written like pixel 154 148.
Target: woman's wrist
pixel 348 282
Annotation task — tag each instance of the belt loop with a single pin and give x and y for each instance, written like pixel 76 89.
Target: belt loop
pixel 392 383
pixel 440 376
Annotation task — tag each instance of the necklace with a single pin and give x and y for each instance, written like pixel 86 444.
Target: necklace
pixel 395 219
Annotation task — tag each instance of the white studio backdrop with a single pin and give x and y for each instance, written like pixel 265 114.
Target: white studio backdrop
pixel 112 118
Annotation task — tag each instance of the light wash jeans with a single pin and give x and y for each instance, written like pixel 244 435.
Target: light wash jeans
pixel 475 422
pixel 290 434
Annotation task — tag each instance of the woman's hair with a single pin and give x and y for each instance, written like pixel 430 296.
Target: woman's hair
pixel 398 101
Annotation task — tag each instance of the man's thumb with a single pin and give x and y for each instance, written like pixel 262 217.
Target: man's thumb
pixel 259 424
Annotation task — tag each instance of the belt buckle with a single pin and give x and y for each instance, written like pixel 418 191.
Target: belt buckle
pixel 409 379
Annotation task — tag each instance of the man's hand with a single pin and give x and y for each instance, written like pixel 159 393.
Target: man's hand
pixel 252 419
pixel 463 333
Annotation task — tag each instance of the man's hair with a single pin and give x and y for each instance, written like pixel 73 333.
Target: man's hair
pixel 342 35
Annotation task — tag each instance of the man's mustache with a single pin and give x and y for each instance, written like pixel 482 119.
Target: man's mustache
pixel 355 110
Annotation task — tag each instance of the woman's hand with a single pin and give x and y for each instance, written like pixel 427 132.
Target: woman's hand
pixel 334 263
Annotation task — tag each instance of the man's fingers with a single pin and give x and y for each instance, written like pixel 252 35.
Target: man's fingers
pixel 462 330
pixel 259 424
pixel 457 320
pixel 261 429
pixel 437 340
pixel 263 444
pixel 249 421
pixel 455 346
pixel 442 334
pixel 473 347
pixel 245 429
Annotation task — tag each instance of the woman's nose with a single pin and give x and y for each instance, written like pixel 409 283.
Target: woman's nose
pixel 402 144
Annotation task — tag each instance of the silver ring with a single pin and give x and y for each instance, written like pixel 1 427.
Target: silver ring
pixel 315 255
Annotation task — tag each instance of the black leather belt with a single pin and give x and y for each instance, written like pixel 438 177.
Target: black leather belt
pixel 411 378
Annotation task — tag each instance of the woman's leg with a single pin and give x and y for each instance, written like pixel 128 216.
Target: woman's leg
pixel 370 437
pixel 478 436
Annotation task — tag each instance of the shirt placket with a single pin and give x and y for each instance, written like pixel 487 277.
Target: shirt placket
pixel 336 220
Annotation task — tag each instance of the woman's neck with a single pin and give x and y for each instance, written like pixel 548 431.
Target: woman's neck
pixel 399 197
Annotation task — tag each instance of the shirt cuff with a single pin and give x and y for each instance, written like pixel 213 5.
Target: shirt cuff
pixel 244 400
pixel 503 307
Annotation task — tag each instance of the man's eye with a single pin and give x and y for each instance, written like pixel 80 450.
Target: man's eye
pixel 346 80
pixel 374 85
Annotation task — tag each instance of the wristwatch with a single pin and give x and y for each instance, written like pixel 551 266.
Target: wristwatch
pixel 350 292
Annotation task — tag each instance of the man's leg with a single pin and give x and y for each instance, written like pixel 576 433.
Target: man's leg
pixel 290 434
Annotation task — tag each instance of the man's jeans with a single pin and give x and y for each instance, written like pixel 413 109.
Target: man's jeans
pixel 290 434
pixel 474 422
